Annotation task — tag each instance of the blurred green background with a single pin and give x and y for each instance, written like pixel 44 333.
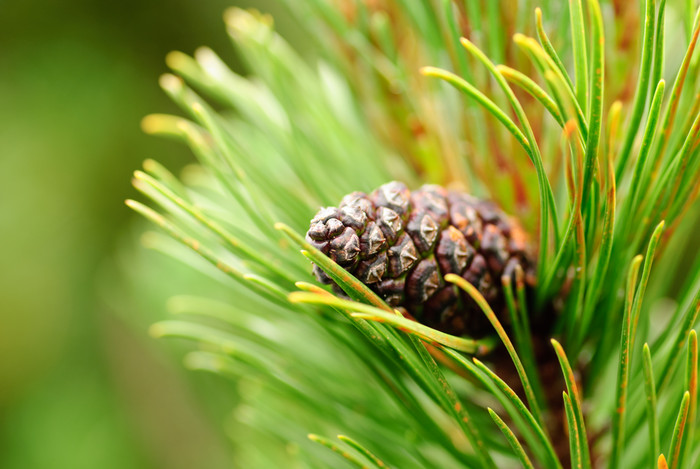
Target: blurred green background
pixel 81 383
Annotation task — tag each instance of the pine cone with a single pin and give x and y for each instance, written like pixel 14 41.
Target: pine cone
pixel 402 244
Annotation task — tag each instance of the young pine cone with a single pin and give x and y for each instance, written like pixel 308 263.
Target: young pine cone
pixel 402 244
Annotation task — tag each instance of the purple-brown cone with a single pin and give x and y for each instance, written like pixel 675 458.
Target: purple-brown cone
pixel 402 244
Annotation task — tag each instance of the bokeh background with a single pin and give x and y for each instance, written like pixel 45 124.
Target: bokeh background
pixel 81 383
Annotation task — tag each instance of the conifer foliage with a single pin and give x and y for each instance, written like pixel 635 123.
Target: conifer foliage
pixel 580 119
